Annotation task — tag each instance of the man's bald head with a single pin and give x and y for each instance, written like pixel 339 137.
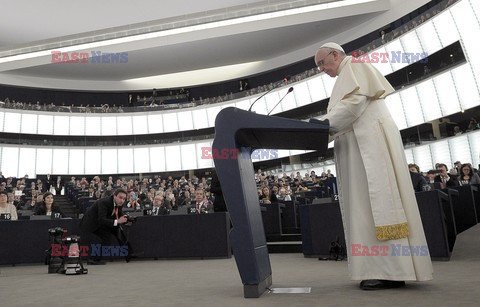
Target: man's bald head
pixel 328 58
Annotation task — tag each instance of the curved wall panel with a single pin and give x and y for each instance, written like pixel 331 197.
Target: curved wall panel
pixel 442 95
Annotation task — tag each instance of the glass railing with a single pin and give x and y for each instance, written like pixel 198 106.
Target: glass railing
pixel 157 105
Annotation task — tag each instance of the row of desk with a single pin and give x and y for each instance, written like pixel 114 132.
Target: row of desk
pixel 179 236
pixel 444 214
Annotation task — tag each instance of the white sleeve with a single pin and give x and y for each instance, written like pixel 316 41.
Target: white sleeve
pixel 14 213
pixel 345 112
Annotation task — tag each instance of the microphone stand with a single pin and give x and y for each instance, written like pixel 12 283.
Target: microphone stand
pixel 286 79
pixel 289 90
pixel 251 106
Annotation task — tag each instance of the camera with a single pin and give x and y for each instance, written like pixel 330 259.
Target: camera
pixel 65 259
pixel 130 219
pixel 71 239
pixel 56 232
pixel 337 251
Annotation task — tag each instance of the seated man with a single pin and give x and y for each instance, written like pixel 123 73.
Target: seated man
pixel 283 195
pixel 447 180
pixel 158 208
pixel 419 182
pixel 31 204
pixel 201 204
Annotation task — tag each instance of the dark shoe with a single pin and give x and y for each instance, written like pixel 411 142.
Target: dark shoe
pixel 95 262
pixel 380 284
pixel 131 256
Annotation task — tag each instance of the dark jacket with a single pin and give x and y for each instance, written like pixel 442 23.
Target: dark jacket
pixel 219 202
pixel 452 181
pixel 41 209
pixel 161 211
pixel 100 214
pixel 418 181
pixel 205 207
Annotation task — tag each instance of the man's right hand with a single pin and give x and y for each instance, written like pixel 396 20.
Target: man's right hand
pixel 122 220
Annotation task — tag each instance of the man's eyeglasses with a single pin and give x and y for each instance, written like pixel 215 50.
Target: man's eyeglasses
pixel 321 62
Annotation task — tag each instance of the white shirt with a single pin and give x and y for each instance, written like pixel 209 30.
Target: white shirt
pixel 10 209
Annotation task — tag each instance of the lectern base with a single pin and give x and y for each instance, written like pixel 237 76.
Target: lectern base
pixel 255 291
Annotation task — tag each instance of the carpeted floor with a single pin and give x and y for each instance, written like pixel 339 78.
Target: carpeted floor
pixel 217 283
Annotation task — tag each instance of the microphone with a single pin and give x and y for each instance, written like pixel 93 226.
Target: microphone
pixel 288 92
pixel 284 80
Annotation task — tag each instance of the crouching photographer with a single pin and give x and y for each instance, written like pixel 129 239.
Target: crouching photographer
pixel 106 221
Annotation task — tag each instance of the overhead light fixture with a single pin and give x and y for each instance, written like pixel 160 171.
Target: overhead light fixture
pixel 186 29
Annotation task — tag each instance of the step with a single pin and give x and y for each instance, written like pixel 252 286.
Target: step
pixel 284 237
pixel 285 247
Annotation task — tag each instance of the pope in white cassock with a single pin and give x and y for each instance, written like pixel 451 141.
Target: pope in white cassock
pixel 385 239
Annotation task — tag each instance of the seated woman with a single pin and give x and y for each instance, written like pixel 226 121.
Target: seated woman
pixel 268 197
pixel 7 211
pixel 47 207
pixel 133 202
pixel 467 176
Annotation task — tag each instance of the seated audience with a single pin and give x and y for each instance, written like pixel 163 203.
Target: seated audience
pixel 473 124
pixel 170 201
pixel 419 182
pixel 97 195
pixel 47 207
pixel 283 195
pixel 275 189
pixel 133 201
pixel 146 200
pixel 268 197
pixel 7 211
pixel 447 180
pixel 158 207
pixel 185 199
pixel 300 187
pixel 467 176
pixel 32 204
pixel 201 204
pixel 14 200
pixel 412 167
pixel 430 177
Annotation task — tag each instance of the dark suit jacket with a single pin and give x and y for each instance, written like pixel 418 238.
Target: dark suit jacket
pixel 219 202
pixel 418 181
pixel 48 182
pixel 100 214
pixel 452 182
pixel 161 211
pixel 41 209
pixel 206 208
pixel 58 188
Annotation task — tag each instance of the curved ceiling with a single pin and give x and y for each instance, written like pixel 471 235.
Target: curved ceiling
pixel 286 32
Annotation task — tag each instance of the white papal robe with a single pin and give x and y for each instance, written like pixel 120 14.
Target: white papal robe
pixel 377 200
